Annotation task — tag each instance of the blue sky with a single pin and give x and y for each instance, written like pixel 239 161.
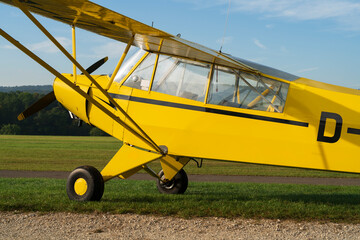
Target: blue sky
pixel 316 39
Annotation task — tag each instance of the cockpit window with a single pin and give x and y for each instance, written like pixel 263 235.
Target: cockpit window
pixel 128 65
pixel 142 75
pixel 182 78
pixel 189 79
pixel 243 90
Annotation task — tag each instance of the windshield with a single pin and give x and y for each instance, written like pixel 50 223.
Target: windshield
pixel 128 65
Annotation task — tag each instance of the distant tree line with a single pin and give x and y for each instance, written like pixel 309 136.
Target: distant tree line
pixel 41 89
pixel 53 120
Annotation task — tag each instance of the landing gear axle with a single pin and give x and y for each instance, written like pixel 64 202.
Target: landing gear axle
pixel 177 185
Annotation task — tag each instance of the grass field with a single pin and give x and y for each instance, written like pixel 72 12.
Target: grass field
pixel 246 200
pixel 258 201
pixel 55 153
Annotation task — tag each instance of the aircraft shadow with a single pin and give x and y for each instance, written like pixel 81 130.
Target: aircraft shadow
pixel 305 198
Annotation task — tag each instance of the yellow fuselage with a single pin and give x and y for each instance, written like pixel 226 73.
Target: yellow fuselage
pixel 319 127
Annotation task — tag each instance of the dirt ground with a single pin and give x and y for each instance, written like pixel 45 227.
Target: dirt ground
pixel 131 226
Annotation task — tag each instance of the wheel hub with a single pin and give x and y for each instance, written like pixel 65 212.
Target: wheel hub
pixel 168 185
pixel 80 186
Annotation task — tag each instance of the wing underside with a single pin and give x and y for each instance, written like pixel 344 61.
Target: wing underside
pixel 100 20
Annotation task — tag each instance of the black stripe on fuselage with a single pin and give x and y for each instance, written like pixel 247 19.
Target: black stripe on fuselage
pixel 353 131
pixel 209 110
pixel 107 103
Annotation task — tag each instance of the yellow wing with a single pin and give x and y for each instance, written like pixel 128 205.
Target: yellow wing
pixel 92 17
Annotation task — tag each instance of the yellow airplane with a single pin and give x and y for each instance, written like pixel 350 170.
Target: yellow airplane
pixel 176 101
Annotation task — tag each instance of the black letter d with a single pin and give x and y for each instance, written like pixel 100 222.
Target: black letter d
pixel 336 137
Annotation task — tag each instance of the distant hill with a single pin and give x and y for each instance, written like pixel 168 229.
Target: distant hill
pixel 42 89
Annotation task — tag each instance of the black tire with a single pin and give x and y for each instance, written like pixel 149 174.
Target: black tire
pixel 93 179
pixel 177 185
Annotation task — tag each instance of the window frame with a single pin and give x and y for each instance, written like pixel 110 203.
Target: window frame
pixel 212 66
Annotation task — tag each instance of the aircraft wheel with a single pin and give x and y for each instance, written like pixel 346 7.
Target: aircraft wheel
pixel 177 185
pixel 85 184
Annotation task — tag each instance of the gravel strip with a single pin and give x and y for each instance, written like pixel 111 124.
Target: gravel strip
pixel 131 226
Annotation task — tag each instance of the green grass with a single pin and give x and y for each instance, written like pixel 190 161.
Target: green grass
pixel 55 153
pixel 229 200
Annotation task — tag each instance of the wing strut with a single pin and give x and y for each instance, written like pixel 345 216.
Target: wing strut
pixel 78 90
pixel 74 50
pixel 102 90
pixel 116 70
